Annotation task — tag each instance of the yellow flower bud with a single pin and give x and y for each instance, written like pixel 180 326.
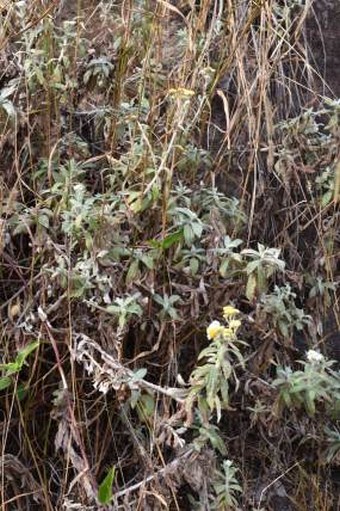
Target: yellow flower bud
pixel 234 324
pixel 227 333
pixel 229 311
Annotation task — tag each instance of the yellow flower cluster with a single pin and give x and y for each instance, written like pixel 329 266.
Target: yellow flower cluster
pixel 181 93
pixel 216 329
pixel 229 312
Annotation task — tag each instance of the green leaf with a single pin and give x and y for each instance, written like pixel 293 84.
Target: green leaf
pixel 23 354
pixel 283 327
pixel 155 192
pixel 251 286
pixel 197 229
pixel 21 228
pixel 21 392
pixel 148 261
pixel 122 319
pixel 326 198
pixel 105 487
pixel 10 368
pixel 146 407
pixel 40 76
pixel 261 281
pixel 171 239
pixel 310 404
pixel 194 265
pixel 189 235
pixel 87 76
pixel 9 109
pixel 224 267
pixel 5 382
pixel 132 272
pixel 113 309
pixel 44 221
pixel 139 374
pixel 134 397
pixel 15 367
pixel 6 92
pixel 88 241
pixel 173 314
pixel 252 266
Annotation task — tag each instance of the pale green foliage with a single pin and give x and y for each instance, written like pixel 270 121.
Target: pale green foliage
pixel 264 263
pixel 7 108
pixel 230 259
pixel 188 221
pixel 210 380
pixel 77 218
pixel 47 61
pixel 192 157
pixel 226 487
pixel 99 71
pixel 191 260
pixel 317 384
pixel 333 444
pixel 145 404
pixel 321 288
pixel 325 185
pixel 213 202
pixel 307 139
pixel 208 434
pixel 280 308
pixel 125 308
pixel 140 258
pixel 111 219
pixel 167 303
pixel 85 279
